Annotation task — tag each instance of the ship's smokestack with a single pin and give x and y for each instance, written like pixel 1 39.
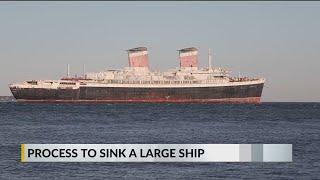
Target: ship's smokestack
pixel 138 57
pixel 188 57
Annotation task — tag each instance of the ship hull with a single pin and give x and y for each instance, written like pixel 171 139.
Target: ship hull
pixel 216 94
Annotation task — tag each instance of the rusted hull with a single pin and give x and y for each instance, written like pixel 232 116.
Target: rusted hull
pixel 223 94
pixel 249 100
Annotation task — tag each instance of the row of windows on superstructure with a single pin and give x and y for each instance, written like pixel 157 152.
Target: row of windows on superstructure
pixel 67 83
pixel 155 82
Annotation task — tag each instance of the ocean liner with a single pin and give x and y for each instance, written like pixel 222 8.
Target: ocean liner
pixel 138 83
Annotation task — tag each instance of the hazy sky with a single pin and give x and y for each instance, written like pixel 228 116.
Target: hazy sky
pixel 276 40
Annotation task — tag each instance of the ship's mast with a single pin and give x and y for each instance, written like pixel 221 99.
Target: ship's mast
pixel 209 60
pixel 68 70
pixel 84 70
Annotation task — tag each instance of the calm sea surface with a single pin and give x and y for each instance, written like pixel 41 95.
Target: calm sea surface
pixel 293 123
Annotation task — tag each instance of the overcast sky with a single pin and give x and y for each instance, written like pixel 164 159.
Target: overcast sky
pixel 276 40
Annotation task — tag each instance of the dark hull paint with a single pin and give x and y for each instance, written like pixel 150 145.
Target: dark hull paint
pixel 249 100
pixel 223 94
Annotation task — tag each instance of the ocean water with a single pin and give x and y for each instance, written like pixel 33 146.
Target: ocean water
pixel 292 123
